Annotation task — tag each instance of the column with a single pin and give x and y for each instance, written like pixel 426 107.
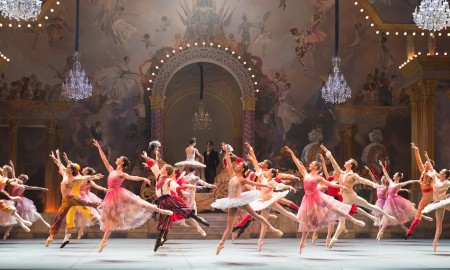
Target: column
pixel 52 181
pixel 157 124
pixel 428 88
pixel 347 144
pixel 13 129
pixel 249 104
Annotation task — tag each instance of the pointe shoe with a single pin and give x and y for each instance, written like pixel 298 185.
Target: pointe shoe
pixel 332 242
pixel 202 232
pixel 427 218
pixel 327 242
pixel 27 223
pixel 302 246
pixel 260 243
pixel 219 248
pixel 48 241
pixel 407 235
pixel 379 235
pixel 24 227
pixel 277 232
pixel 314 238
pixel 80 234
pixel 360 223
pixel 373 218
pixel 435 245
pixel 102 246
pixel 64 244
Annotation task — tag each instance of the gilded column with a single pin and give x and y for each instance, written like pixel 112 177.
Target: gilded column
pixel 13 130
pixel 416 98
pixel 249 104
pixel 52 196
pixel 157 124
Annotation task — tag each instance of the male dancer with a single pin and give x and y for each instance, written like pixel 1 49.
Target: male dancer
pixel 348 178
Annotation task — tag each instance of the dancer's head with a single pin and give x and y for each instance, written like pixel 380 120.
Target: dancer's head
pixel 265 164
pixel 444 174
pixel 209 145
pixel 192 141
pixel 398 176
pixel 429 165
pixel 88 171
pixel 191 169
pixel 72 169
pixel 167 170
pixel 241 166
pixel 154 145
pixel 314 166
pixel 23 178
pixel 272 173
pixel 351 164
pixel 122 161
pixel 7 171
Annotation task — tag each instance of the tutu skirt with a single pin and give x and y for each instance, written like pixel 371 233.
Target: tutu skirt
pixel 82 220
pixel 400 208
pixel 190 163
pixel 6 219
pixel 245 198
pixel 122 210
pixel 445 204
pixel 380 203
pixel 318 211
pixel 259 204
pixel 26 209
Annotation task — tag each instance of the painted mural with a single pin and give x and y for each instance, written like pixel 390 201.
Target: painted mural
pixel 289 44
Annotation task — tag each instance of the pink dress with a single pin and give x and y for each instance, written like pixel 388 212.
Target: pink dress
pixel 398 207
pixel 7 219
pixel 25 207
pixel 317 209
pixel 381 199
pixel 88 196
pixel 121 209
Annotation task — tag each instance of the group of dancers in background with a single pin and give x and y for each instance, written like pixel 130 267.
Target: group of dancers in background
pixel 329 197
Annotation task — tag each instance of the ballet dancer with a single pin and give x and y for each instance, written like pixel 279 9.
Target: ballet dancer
pixel 191 152
pixel 317 209
pixel 194 180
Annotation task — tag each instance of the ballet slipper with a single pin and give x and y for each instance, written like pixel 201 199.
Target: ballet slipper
pixel 277 232
pixel 103 244
pixel 327 242
pixel 48 241
pixel 302 246
pixel 233 236
pixel 80 234
pixel 314 238
pixel 379 235
pixel 332 242
pixel 260 243
pixel 427 218
pixel 5 236
pixel 435 245
pixel 219 248
pixel 24 227
pixel 202 232
pixel 64 244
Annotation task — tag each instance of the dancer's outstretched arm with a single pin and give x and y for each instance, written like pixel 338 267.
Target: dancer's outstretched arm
pixel 402 184
pixel 94 185
pixel 370 173
pixel 336 168
pixel 228 159
pixel 418 158
pixel 366 182
pixel 386 175
pixel 331 184
pixel 103 156
pixel 16 184
pixel 297 162
pixel 428 159
pixel 135 178
pixel 324 167
pixel 153 166
pixel 13 170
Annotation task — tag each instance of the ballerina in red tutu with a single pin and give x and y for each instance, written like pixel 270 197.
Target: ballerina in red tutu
pixel 122 209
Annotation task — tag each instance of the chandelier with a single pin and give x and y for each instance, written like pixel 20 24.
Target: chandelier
pixel 201 119
pixel 76 85
pixel 20 9
pixel 336 89
pixel 432 15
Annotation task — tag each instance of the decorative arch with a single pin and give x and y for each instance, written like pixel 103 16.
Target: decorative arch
pixel 194 54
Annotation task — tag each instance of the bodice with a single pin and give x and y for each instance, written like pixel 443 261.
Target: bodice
pixel 392 190
pixel 18 191
pixel 190 157
pixel 85 187
pixel 440 189
pixel 382 193
pixel 332 191
pixel 114 181
pixel 310 184
pixel 234 188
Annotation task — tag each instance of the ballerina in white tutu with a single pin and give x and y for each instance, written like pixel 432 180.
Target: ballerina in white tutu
pixel 237 200
pixel 191 151
pixel 269 199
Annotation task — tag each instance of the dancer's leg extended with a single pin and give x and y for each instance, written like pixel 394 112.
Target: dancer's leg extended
pixel 247 208
pixel 230 221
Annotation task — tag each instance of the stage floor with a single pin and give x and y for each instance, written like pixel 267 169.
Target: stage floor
pixel 241 254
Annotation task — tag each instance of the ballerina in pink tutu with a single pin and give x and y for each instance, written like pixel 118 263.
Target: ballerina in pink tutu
pixel 237 200
pixel 381 195
pixel 122 209
pixel 25 207
pixel 317 209
pixel 395 205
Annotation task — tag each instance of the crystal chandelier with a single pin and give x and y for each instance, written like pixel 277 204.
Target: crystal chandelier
pixel 20 9
pixel 432 15
pixel 76 85
pixel 336 89
pixel 201 119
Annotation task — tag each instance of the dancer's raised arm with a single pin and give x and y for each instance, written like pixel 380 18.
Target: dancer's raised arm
pixel 386 175
pixel 301 168
pixel 428 160
pixel 57 159
pixel 324 167
pixel 228 159
pixel 252 157
pixel 418 158
pixel 103 156
pixel 336 168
